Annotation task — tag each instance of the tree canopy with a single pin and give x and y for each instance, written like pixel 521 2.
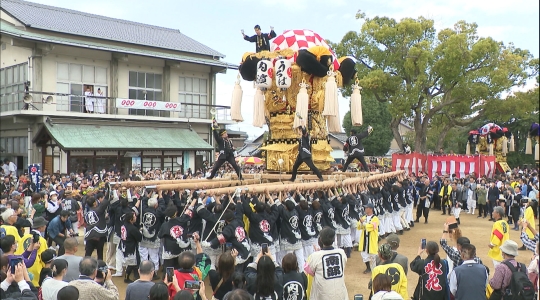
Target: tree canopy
pixel 453 77
pixel 377 115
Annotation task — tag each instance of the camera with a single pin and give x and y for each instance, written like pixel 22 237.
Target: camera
pixel 103 269
pixel 191 285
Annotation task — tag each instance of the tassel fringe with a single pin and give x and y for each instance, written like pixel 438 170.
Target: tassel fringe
pixel 528 146
pixel 331 106
pixel 258 107
pixel 302 105
pixel 356 106
pixel 236 102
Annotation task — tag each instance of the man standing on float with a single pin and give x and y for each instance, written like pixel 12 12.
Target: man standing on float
pixel 356 149
pixel 304 153
pixel 262 40
pixel 226 151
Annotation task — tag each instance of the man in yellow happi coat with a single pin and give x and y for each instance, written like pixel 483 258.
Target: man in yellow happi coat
pixel 499 235
pixel 528 216
pixel 39 227
pixel 9 216
pixel 369 237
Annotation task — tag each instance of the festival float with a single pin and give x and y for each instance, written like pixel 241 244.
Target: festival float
pixel 298 79
pixel 493 140
pixel 533 136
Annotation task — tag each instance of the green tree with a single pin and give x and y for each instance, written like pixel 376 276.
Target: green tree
pixel 453 74
pixel 377 115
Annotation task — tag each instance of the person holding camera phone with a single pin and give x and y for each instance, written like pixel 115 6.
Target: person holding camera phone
pixel 193 269
pixel 17 284
pixel 221 274
pixel 35 236
pixel 88 288
pixel 264 277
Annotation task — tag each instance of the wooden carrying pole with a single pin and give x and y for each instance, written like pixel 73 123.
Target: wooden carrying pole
pixel 129 184
pixel 355 174
pixel 276 187
pixel 206 184
pixel 280 187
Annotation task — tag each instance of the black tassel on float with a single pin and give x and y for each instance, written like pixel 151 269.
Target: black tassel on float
pixel 347 69
pixel 248 68
pixel 308 63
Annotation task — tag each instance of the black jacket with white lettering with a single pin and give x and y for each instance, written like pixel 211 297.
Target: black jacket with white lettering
pixel 261 224
pixel 129 239
pixel 354 143
pixel 328 213
pixel 117 212
pixel 211 220
pixel 174 234
pixel 96 224
pixel 289 224
pixel 235 234
pixel 341 215
pixel 306 225
pixel 152 219
pixel 295 285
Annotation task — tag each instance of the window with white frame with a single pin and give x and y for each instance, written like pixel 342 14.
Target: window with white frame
pixel 146 86
pixel 193 96
pixel 12 81
pixel 76 79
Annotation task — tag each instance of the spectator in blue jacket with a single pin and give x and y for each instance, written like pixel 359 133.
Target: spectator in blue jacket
pixel 57 230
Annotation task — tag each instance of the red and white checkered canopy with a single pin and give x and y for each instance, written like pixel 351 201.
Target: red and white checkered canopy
pixel 301 39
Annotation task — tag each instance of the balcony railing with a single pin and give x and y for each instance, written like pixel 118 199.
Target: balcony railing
pixel 104 105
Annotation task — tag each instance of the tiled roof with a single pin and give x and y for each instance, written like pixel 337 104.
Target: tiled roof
pixel 249 149
pixel 82 137
pixel 341 136
pixel 74 22
pixel 9 29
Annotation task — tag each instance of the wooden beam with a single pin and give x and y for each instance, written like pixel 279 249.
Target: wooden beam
pixel 129 184
pixel 206 184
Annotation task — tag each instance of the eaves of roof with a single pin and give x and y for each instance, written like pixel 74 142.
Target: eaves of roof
pixel 11 30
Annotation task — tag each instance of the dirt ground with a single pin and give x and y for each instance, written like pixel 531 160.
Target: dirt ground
pixel 476 229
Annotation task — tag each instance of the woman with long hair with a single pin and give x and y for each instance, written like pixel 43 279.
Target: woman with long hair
pixel 382 286
pixel 51 285
pixel 264 278
pixel 221 279
pixel 433 271
pixel 293 280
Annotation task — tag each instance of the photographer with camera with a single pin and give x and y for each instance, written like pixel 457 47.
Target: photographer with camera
pixel 87 285
pixel 33 239
pixel 58 228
